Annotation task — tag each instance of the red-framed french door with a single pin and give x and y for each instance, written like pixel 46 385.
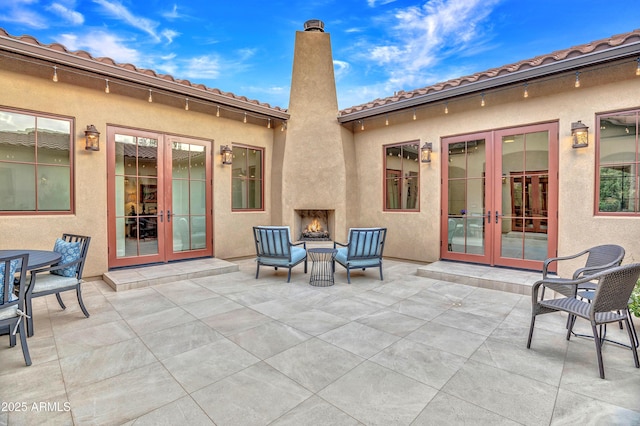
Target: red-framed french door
pixel 500 196
pixel 159 189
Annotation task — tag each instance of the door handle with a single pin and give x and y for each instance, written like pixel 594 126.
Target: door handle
pixel 168 215
pixel 161 215
pixel 489 216
pixel 497 216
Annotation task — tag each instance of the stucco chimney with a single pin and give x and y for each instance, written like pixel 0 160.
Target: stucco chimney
pixel 314 172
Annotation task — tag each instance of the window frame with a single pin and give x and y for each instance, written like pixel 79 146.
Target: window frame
pixel 245 181
pixel 598 164
pixel 72 148
pixel 402 178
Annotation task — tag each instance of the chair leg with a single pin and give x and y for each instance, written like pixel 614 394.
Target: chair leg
pixel 289 276
pixel 60 301
pixel 257 270
pixel 570 323
pixel 348 275
pixel 23 343
pixel 533 323
pixel 12 337
pixel 29 319
pixel 305 266
pixel 381 279
pixel 632 339
pixel 596 338
pixel 79 294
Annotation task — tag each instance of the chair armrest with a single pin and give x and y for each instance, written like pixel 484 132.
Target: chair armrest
pixel 550 260
pixel 581 271
pixel 335 243
pixel 301 243
pixel 56 267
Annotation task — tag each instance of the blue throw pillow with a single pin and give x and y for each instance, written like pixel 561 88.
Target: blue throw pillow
pixel 13 265
pixel 70 252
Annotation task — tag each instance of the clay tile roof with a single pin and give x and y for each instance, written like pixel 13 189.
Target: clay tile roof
pixel 537 61
pixel 83 54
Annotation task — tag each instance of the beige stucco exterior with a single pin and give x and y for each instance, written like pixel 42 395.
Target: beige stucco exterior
pixel 342 163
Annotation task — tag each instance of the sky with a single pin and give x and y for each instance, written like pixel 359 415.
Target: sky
pixel 379 46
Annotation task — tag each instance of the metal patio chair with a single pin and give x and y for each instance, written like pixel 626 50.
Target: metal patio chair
pixel 274 248
pixel 362 250
pixel 12 307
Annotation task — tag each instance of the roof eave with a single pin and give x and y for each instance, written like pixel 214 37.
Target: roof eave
pixel 564 65
pixel 116 72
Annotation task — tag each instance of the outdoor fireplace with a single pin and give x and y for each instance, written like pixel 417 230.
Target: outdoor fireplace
pixel 313 225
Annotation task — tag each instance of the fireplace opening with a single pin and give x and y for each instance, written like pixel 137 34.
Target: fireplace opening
pixel 314 225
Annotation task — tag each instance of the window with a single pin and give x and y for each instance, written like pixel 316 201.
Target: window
pixel 35 163
pixel 247 178
pixel 617 166
pixel 402 176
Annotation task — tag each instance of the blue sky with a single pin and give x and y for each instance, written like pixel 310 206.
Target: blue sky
pixel 379 46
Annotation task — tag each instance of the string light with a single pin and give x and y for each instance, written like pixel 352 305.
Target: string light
pixel 150 96
pixel 386 120
pixel 244 120
pixel 577 83
pixel 414 115
pixel 526 91
pixel 482 101
pixel 106 86
pixel 446 107
pixel 268 123
pixel 218 111
pixel 638 67
pixel 362 125
pixel 55 74
pixel 186 104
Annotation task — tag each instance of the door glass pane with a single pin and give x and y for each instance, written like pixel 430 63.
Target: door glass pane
pixel 525 181
pixel 136 196
pixel 465 224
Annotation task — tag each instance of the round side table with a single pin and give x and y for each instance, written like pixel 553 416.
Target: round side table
pixel 322 266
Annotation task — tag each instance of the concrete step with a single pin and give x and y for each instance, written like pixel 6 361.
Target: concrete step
pixel 144 276
pixel 491 277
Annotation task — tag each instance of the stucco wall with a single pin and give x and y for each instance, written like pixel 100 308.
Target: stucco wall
pixel 416 235
pixel 232 235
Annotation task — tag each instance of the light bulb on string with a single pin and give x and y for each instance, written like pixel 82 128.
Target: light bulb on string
pixel 446 107
pixel 577 83
pixel 414 115
pixel 218 111
pixel 268 123
pixel 150 96
pixel 106 86
pixel 55 74
pixel 526 91
pixel 482 103
pixel 244 120
pixel 186 104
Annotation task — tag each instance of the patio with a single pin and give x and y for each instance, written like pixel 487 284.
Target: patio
pixel 228 349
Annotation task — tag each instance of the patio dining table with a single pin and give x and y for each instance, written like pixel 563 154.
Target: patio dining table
pixel 37 259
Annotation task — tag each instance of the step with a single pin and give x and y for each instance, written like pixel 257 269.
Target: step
pixel 144 276
pixel 491 277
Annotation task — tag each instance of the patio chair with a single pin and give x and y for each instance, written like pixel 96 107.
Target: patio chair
pixel 65 276
pixel 598 258
pixel 362 250
pixel 12 310
pixel 274 248
pixel 609 304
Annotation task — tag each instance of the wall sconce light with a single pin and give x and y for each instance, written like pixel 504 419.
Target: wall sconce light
pixel 425 152
pixel 579 134
pixel 92 138
pixel 227 154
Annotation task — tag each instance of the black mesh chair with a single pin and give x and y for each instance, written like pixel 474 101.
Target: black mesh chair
pixel 12 306
pixel 609 303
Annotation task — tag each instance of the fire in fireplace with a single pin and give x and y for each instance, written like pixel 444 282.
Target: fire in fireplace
pixel 314 224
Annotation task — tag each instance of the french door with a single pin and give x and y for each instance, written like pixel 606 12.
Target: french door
pixel 499 204
pixel 159 189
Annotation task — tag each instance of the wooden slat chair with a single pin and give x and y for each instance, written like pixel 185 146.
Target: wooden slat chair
pixel 363 250
pixel 274 248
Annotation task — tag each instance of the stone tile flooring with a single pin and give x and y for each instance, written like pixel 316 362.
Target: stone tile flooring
pixel 232 350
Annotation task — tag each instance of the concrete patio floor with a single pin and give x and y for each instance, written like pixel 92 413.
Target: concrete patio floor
pixel 232 350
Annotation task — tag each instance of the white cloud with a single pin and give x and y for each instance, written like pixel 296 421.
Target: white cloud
pixel 340 68
pixel 69 15
pixel 101 43
pixel 21 12
pixel 173 13
pixel 422 36
pixel 170 35
pixel 372 3
pixel 201 67
pixel 118 11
